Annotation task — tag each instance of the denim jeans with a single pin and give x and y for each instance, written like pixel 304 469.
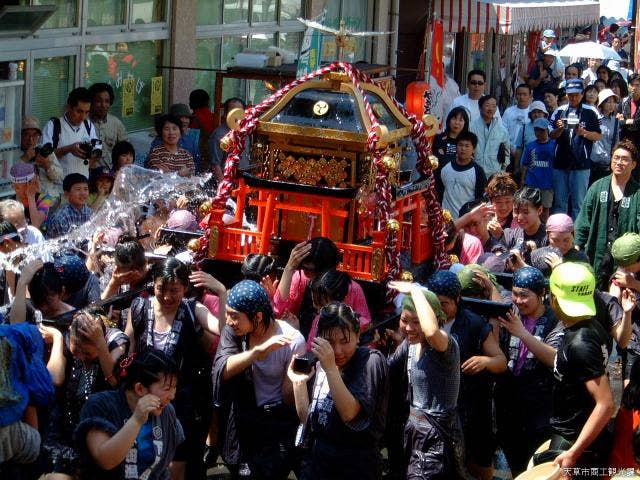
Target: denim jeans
pixel 569 183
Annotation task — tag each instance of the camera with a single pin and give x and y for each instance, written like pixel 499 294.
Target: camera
pixel 92 149
pixel 571 122
pixel 304 363
pixel 45 150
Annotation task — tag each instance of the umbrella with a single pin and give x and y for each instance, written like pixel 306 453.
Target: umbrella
pixel 589 50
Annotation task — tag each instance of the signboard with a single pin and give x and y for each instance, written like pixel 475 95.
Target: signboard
pixel 156 95
pixel 311 48
pixel 128 97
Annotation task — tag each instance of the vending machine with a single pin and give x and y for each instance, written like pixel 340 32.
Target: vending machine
pixel 11 92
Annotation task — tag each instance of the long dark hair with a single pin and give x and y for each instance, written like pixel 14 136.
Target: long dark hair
pixel 331 286
pixel 454 113
pixel 172 270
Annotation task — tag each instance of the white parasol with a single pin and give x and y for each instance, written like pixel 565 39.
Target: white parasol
pixel 589 50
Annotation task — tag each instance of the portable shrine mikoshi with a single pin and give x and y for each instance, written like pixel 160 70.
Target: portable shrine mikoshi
pixel 326 153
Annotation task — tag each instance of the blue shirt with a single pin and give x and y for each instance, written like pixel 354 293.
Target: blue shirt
pixel 66 218
pixel 538 158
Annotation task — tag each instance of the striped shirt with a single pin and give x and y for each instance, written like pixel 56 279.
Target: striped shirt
pixel 162 159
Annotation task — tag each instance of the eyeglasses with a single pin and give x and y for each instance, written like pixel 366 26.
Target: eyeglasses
pixel 621 159
pixel 476 83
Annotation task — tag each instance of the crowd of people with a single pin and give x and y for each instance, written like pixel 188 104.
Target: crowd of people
pixel 124 358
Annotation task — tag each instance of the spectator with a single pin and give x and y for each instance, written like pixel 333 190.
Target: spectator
pixel 527 209
pixel 109 128
pixel 100 187
pixel 492 151
pixel 346 417
pixel 603 219
pixel 73 135
pixel 461 180
pixel 250 373
pixel 610 127
pixel 551 95
pixel 537 164
pixel 47 167
pixel 542 75
pixel 203 119
pixel 582 398
pixel 444 144
pixel 620 89
pixel 603 73
pixel 589 75
pixel 27 187
pixel 218 156
pixel 13 212
pixel 476 80
pixel 575 129
pixel 515 119
pixel 190 138
pixel 74 213
pixel 168 156
pixel 590 97
pixel 630 127
pixel 537 110
pixel 616 44
pixel 500 190
pixel 133 429
pixel 122 155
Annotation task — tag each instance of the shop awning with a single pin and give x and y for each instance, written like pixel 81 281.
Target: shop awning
pixel 514 16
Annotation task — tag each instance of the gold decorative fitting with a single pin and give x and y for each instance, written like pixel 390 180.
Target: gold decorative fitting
pixel 454 259
pixel 234 117
pixel 205 207
pixel 406 276
pixel 390 163
pixel 393 226
pixel 431 124
pixel 377 266
pixel 213 241
pixel 434 162
pixel 446 216
pixel 320 108
pixel 226 142
pixel 194 245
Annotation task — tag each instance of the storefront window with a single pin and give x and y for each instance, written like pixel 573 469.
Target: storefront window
pixel 114 62
pixel 290 9
pixel 207 56
pixel 290 41
pixel 354 14
pixel 53 79
pixel 233 87
pixel 236 11
pixel 209 12
pixel 65 16
pixel 106 12
pixel 476 52
pixel 264 11
pixel 148 11
pixel 258 90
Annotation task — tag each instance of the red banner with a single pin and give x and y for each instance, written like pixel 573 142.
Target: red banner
pixel 437 67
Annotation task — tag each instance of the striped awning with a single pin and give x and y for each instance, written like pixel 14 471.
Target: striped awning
pixel 514 16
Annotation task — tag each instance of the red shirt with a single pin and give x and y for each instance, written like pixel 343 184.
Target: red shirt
pixel 203 119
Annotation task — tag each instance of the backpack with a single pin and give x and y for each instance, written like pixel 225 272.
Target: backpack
pixel 57 128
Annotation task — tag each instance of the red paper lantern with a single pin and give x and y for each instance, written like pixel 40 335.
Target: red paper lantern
pixel 415 98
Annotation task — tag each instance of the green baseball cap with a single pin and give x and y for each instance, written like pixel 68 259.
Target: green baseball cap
pixel 573 285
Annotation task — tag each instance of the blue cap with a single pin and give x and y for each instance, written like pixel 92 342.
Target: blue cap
pixel 574 85
pixel 541 123
pixel 549 33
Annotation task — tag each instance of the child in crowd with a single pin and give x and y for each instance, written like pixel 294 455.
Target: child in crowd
pixel 100 187
pixel 123 154
pixel 444 145
pixel 461 180
pixel 74 213
pixel 537 164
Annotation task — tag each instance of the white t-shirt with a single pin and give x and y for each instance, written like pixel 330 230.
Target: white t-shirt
pixel 70 134
pixel 514 120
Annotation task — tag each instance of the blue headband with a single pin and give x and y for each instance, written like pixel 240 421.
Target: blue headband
pixel 249 297
pixel 531 278
pixel 445 282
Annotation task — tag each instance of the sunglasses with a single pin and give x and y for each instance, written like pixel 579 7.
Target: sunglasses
pixel 477 83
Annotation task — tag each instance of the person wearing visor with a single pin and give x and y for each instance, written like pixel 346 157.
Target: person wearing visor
pixel 610 127
pixel 27 187
pixel 42 157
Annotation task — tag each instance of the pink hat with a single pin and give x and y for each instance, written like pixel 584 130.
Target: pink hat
pixel 22 172
pixel 560 223
pixel 182 220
